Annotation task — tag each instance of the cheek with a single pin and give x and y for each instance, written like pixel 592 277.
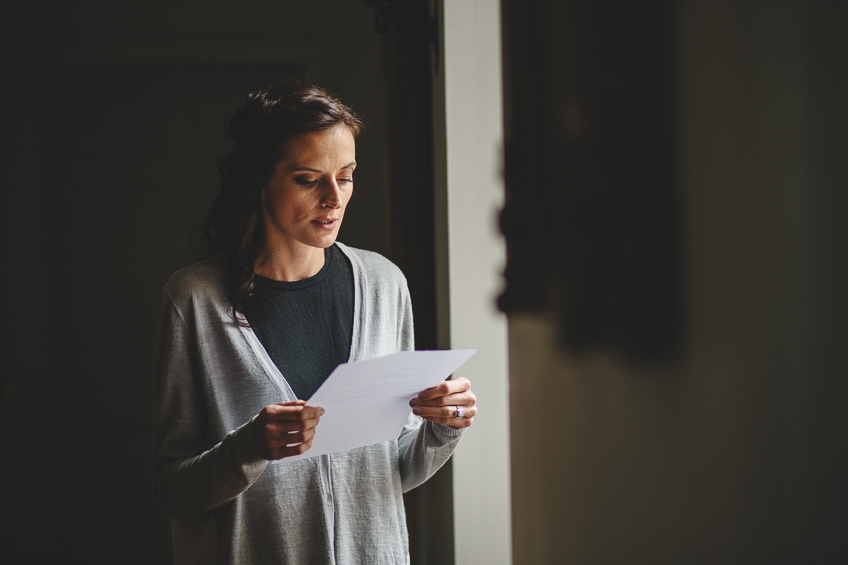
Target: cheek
pixel 298 205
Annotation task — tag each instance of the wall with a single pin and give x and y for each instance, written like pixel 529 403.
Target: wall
pixel 471 256
pixel 736 452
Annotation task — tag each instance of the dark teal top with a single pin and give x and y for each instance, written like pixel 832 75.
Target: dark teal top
pixel 306 326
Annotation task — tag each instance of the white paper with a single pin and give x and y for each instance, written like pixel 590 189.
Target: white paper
pixel 367 402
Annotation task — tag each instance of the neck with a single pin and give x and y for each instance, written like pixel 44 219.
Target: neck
pixel 289 263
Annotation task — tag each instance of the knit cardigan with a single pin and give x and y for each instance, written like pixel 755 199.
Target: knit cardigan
pixel 229 505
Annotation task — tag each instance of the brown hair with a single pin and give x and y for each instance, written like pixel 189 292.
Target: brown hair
pixel 260 131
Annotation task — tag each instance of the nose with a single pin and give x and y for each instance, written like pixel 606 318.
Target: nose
pixel 332 197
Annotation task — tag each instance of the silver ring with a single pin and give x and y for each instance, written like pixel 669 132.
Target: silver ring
pixel 459 413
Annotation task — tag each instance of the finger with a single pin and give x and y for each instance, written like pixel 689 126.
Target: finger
pixel 293 438
pixel 466 398
pixel 276 428
pixel 297 402
pixel 457 423
pixel 444 412
pixel 279 412
pixel 291 450
pixel 444 388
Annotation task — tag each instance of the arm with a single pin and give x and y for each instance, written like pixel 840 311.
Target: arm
pixel 423 446
pixel 441 429
pixel 188 478
pixel 191 479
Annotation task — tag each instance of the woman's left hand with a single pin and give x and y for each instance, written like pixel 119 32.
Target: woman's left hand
pixel 445 402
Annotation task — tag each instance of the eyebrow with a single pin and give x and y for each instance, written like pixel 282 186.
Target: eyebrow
pixel 348 166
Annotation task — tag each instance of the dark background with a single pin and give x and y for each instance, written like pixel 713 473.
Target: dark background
pixel 114 118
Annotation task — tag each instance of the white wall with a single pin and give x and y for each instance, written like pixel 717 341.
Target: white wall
pixel 471 257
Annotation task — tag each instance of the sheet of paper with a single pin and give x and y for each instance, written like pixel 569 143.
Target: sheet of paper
pixel 367 402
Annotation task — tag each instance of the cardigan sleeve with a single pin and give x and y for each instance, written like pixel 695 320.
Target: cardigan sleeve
pixel 423 446
pixel 189 479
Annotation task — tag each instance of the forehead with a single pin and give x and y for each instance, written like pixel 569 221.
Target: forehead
pixel 335 146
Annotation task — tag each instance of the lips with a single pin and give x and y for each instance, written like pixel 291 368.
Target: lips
pixel 327 224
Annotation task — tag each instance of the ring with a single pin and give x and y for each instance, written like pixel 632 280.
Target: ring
pixel 459 413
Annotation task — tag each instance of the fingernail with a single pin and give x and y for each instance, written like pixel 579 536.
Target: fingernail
pixel 416 411
pixel 413 402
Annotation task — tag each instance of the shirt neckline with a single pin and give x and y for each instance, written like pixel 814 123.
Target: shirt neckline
pixel 329 257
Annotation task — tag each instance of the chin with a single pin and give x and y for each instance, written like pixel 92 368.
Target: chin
pixel 319 240
pixel 324 242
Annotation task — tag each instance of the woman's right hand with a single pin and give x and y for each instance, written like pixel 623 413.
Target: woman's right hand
pixel 285 429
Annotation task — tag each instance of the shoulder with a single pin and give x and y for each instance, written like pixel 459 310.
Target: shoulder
pixel 201 280
pixel 373 266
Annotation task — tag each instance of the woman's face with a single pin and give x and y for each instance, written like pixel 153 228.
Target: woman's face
pixel 305 200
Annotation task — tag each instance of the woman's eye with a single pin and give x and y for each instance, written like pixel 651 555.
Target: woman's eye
pixel 345 181
pixel 306 182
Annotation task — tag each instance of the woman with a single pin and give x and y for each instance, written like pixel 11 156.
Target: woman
pixel 253 330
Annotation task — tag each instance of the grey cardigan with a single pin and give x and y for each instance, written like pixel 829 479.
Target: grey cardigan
pixel 226 503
